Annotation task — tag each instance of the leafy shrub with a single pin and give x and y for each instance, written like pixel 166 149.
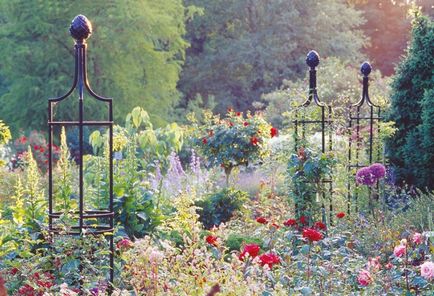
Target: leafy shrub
pixel 307 172
pixel 219 207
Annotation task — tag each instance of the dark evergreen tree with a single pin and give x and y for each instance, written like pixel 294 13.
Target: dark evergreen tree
pixel 411 108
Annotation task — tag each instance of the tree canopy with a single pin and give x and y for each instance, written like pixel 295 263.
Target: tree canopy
pixel 241 49
pixel 135 55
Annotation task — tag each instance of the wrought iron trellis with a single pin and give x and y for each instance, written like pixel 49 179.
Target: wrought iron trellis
pixel 324 124
pixel 370 116
pixel 80 30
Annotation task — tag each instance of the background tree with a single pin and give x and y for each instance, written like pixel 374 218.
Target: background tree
pixel 241 49
pixel 412 107
pixel 135 55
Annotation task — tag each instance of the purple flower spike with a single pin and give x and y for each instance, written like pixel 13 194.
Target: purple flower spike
pixel 365 177
pixel 378 171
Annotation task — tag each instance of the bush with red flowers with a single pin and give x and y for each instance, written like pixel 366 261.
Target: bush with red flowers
pixel 234 140
pixel 39 147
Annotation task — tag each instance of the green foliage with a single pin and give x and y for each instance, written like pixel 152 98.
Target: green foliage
pixel 219 207
pixel 411 109
pixel 29 197
pixel 138 148
pixel 307 172
pixel 135 56
pixel 339 86
pixel 234 140
pixel 5 133
pixel 242 49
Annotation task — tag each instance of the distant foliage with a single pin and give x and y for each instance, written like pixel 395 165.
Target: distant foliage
pixel 411 149
pixel 241 49
pixel 135 56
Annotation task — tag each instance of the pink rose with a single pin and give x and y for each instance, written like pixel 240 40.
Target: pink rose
pixel 399 250
pixel 364 278
pixel 417 238
pixel 427 270
pixel 374 263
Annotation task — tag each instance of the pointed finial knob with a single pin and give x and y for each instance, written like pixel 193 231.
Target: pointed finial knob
pixel 312 59
pixel 366 68
pixel 80 28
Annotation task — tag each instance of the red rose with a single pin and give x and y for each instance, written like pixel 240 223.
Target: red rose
pixel 273 132
pixel 319 225
pixel 269 259
pixel 36 147
pixel 204 141
pixel 212 240
pixel 26 290
pixel 290 222
pixel 23 140
pixel 246 123
pixel 312 235
pixel 251 249
pixel 14 271
pixel 262 220
pixel 41 149
pixel 340 215
pixel 304 220
pixel 238 113
pixel 254 141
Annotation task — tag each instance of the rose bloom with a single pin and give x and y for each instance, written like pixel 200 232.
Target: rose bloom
pixel 254 141
pixel 269 259
pixel 340 215
pixel 273 132
pixel 427 270
pixel 374 263
pixel 417 238
pixel 399 250
pixel 275 225
pixel 262 220
pixel 124 244
pixel 251 249
pixel 212 240
pixel 290 222
pixel 319 225
pixel 312 235
pixel 364 278
pixel 304 220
